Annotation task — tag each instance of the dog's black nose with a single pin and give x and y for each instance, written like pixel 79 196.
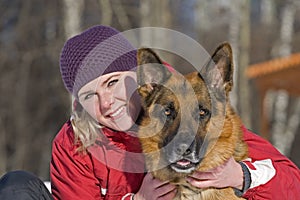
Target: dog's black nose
pixel 184 149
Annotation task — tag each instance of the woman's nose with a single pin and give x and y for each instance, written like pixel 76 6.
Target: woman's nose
pixel 106 99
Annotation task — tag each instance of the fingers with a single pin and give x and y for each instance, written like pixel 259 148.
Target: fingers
pixel 203 175
pixel 162 188
pixel 202 183
pixel 225 175
pixel 155 182
pixel 155 189
pixel 206 179
pixel 165 190
pixel 168 196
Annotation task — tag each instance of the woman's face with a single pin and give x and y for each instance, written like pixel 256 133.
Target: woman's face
pixel 112 100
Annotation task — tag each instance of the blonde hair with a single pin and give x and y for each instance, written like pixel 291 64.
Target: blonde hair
pixel 86 128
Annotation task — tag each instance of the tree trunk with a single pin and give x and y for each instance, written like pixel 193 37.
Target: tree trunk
pixel 106 12
pixel 280 117
pixel 243 63
pixel 156 14
pixel 287 29
pixel 3 143
pixel 234 35
pixel 121 14
pixel 292 127
pixel 21 125
pixel 267 12
pixel 283 128
pixel 72 19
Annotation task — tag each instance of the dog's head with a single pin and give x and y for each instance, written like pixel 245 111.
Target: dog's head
pixel 182 115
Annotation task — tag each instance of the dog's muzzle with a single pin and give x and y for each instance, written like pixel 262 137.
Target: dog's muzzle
pixel 182 152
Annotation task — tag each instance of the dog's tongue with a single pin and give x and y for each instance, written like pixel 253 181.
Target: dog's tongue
pixel 183 162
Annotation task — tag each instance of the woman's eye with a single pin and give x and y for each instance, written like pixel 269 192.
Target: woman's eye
pixel 88 96
pixel 112 82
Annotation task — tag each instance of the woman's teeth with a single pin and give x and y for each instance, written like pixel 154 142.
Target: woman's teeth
pixel 117 112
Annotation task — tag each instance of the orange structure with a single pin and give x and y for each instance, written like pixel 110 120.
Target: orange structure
pixel 281 73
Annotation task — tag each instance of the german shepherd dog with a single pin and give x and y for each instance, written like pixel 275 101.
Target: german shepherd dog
pixel 187 122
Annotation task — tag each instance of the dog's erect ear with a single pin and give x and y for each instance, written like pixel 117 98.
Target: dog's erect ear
pixel 150 71
pixel 218 73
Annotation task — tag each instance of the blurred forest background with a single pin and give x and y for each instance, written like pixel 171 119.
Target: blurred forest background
pixel 34 103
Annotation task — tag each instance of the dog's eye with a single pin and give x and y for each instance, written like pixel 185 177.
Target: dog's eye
pixel 203 112
pixel 167 111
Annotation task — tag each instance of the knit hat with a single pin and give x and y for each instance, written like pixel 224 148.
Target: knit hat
pixel 97 51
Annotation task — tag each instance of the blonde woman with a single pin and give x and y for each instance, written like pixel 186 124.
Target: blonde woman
pixel 96 154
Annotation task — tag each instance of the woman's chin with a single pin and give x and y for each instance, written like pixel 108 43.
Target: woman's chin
pixel 124 124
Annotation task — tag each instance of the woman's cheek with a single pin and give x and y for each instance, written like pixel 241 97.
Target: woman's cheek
pixel 92 107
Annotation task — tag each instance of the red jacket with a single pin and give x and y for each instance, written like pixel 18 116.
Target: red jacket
pixel 75 176
pixel 285 184
pixel 98 174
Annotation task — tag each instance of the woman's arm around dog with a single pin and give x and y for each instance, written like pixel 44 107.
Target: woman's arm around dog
pixel 273 176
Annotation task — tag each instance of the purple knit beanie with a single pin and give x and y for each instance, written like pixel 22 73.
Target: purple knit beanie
pixel 97 51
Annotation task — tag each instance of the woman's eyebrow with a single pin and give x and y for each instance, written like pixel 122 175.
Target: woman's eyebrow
pixel 109 78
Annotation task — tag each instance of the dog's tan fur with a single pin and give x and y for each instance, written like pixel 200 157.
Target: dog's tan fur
pixel 210 90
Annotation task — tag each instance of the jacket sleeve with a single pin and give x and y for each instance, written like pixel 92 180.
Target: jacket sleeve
pixel 273 175
pixel 71 173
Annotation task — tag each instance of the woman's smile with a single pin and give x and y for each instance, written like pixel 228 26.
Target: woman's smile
pixel 118 113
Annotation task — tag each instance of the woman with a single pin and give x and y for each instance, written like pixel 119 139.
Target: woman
pixel 96 154
pixel 90 154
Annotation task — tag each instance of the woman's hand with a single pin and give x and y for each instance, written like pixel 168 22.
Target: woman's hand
pixel 152 189
pixel 230 174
